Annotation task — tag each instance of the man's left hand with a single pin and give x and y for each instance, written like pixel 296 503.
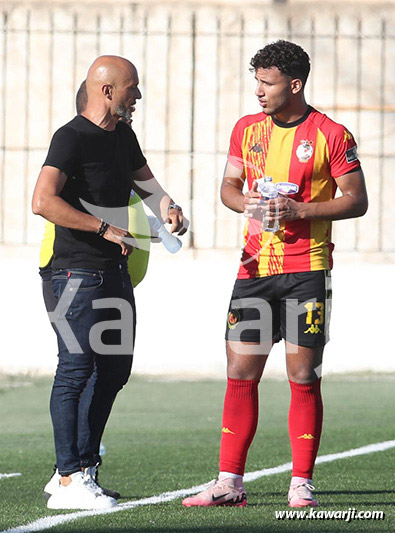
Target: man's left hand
pixel 283 208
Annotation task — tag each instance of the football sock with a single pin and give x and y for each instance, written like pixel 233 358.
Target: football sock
pixel 227 475
pixel 298 480
pixel 305 424
pixel 239 422
pixel 237 478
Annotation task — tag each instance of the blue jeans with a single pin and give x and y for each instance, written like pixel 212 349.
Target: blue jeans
pixel 84 439
pixel 87 381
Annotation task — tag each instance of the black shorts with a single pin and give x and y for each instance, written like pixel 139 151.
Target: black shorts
pixel 295 307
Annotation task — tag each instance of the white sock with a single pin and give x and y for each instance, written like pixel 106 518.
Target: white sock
pixel 298 480
pixel 238 479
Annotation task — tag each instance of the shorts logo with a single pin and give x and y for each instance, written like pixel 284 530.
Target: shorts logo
pixel 313 329
pixel 351 155
pixel 307 436
pixel 304 151
pixel 314 309
pixel 227 430
pixel 234 318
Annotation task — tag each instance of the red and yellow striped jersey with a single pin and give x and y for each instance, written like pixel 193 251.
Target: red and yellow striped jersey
pixel 311 152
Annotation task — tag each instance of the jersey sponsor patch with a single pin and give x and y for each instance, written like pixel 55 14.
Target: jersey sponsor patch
pixel 285 187
pixel 352 155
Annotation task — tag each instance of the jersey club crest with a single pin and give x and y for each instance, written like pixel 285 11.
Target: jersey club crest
pixel 304 151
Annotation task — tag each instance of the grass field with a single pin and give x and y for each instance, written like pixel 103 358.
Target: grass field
pixel 164 436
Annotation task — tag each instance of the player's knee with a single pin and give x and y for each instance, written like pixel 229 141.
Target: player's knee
pixel 244 372
pixel 303 376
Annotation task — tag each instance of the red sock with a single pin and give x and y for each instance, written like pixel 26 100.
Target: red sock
pixel 239 422
pixel 305 424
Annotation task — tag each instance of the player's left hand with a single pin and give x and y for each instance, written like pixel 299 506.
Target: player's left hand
pixel 179 224
pixel 283 208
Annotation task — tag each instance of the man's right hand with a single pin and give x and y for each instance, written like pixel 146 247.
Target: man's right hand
pixel 252 202
pixel 121 237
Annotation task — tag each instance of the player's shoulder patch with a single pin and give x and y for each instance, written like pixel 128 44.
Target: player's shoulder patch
pixel 352 154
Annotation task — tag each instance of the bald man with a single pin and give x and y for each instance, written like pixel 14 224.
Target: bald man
pixel 83 188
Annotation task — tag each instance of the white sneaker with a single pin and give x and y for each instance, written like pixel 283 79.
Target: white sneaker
pixel 91 475
pixel 52 485
pixel 79 494
pixel 89 478
pixel 300 494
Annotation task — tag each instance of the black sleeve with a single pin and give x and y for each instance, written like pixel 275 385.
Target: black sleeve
pixel 63 151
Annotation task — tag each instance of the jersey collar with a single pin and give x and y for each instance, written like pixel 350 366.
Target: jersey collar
pixel 296 122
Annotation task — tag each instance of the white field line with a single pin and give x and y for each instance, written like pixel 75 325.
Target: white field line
pixel 2 476
pixel 49 522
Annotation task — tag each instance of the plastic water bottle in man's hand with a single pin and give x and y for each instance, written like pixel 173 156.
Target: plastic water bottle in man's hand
pixel 270 191
pixel 169 241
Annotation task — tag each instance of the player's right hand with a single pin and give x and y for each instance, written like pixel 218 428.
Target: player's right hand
pixel 121 237
pixel 252 202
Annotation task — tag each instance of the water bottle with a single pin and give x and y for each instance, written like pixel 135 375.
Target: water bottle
pixel 268 191
pixel 169 241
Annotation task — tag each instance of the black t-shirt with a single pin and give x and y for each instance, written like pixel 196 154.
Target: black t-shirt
pixel 98 164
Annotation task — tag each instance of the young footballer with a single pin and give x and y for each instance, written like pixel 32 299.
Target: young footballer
pixel 283 287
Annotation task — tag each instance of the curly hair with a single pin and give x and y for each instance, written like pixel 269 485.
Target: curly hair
pixel 289 58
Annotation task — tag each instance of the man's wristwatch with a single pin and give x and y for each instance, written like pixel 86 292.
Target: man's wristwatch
pixel 174 206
